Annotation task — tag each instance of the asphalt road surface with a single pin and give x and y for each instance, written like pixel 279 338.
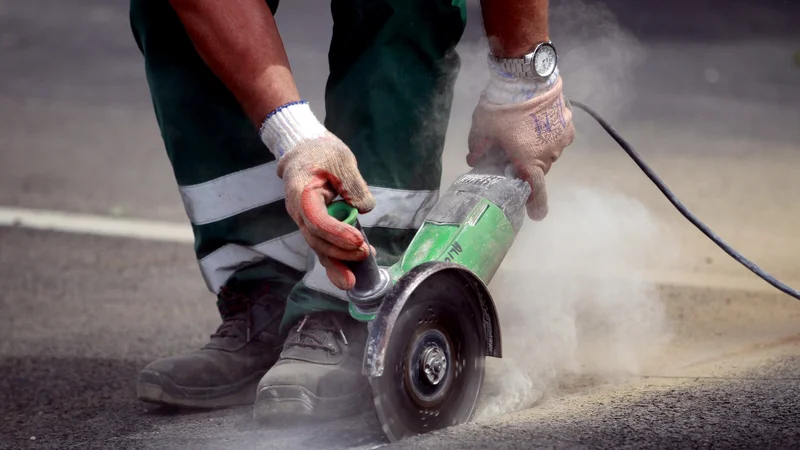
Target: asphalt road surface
pixel 623 327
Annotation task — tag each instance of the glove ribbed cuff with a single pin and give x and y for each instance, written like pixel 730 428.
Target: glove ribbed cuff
pixel 505 89
pixel 288 126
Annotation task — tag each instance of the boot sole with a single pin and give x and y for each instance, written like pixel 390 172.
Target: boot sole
pixel 281 404
pixel 156 388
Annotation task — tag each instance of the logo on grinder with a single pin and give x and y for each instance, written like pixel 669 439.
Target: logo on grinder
pixel 481 179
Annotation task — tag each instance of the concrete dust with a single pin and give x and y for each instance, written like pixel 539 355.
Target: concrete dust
pixel 558 326
pixel 597 56
pixel 555 325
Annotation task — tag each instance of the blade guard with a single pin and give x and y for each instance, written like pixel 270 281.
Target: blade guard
pixel 380 329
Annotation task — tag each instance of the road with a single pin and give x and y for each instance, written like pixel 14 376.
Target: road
pixel 623 326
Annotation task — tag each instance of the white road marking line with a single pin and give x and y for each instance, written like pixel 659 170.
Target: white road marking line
pixel 182 233
pixel 98 225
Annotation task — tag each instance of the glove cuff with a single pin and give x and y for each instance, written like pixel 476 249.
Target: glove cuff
pixel 505 89
pixel 289 125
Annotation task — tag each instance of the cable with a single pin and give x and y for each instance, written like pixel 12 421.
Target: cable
pixel 680 207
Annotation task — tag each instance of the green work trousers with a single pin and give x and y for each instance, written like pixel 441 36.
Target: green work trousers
pixel 388 97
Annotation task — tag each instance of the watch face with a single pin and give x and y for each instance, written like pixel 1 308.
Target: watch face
pixel 544 61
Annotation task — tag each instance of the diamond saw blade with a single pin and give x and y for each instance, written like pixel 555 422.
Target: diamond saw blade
pixel 434 362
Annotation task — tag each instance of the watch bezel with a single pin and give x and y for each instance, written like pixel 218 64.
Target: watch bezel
pixel 532 56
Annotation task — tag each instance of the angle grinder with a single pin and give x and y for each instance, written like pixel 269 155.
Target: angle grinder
pixel 431 319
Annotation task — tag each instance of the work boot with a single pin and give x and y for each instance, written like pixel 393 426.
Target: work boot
pixel 225 372
pixel 318 375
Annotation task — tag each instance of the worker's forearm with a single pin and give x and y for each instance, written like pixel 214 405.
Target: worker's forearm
pixel 514 26
pixel 239 41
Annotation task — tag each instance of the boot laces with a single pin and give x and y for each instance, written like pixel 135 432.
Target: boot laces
pixel 231 325
pixel 314 332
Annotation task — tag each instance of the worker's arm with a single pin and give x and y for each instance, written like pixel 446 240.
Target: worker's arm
pixel 514 26
pixel 523 116
pixel 240 43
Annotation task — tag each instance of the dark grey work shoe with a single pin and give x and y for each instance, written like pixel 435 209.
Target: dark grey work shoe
pixel 225 372
pixel 318 375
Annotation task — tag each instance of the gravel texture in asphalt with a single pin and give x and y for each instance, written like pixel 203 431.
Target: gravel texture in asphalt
pixel 707 90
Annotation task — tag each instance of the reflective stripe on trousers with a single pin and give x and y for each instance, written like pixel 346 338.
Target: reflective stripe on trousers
pixel 232 194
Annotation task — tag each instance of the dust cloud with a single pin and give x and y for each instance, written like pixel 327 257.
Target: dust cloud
pixel 562 317
pixel 567 308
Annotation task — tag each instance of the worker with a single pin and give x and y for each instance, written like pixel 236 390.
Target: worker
pixel 255 169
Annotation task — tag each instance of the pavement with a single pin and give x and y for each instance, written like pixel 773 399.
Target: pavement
pixel 623 326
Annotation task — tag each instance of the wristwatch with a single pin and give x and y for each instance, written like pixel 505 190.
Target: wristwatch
pixel 540 63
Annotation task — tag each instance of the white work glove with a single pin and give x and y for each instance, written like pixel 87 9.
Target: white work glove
pixel 528 120
pixel 316 166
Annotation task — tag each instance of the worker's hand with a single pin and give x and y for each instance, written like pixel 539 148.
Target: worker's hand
pixel 316 166
pixel 530 122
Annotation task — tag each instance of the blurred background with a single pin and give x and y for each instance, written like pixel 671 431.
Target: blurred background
pixel 708 91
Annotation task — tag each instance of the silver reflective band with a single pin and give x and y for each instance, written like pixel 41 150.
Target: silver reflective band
pixel 395 208
pixel 241 191
pixel 232 194
pixel 219 266
pixel 399 209
pixel 317 279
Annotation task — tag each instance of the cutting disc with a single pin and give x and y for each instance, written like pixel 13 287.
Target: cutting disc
pixel 434 362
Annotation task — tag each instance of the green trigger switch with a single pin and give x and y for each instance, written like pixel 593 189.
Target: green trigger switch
pixel 343 212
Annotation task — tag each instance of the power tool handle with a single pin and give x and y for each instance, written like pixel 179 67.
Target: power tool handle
pixel 495 179
pixel 495 162
pixel 366 271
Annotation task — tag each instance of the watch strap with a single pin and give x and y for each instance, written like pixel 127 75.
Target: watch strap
pixel 516 67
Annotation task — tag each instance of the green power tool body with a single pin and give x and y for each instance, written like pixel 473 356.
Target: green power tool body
pixel 431 318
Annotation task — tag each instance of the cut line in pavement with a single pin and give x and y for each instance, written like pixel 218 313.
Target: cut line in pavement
pixel 70 222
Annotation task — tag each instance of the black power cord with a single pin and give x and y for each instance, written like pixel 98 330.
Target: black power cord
pixel 683 210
